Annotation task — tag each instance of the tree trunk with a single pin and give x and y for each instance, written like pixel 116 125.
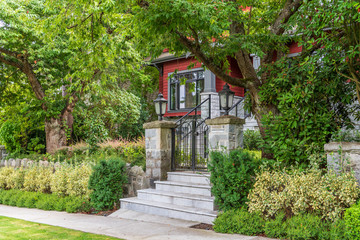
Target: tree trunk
pixel 58 130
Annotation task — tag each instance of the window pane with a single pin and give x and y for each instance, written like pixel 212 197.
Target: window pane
pixel 182 96
pixel 199 89
pixel 190 95
pixel 172 96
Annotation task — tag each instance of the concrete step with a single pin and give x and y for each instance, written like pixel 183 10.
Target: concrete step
pixel 189 177
pixel 180 199
pixel 181 187
pixel 168 210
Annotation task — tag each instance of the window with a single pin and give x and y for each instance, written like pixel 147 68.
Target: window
pixel 185 89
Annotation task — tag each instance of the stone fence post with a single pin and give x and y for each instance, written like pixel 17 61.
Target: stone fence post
pixel 158 149
pixel 225 133
pixel 344 156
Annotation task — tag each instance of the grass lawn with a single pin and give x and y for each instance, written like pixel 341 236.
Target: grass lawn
pixel 11 228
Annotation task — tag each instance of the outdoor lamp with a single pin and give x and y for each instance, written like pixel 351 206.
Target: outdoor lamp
pixel 160 106
pixel 226 98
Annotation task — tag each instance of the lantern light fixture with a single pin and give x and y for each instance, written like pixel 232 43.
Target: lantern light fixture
pixel 160 106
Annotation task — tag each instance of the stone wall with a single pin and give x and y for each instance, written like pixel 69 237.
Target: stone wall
pixel 344 156
pixel 137 181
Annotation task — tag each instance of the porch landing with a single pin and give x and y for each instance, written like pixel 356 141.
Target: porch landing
pixel 186 195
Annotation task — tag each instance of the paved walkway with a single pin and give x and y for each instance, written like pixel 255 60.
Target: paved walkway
pixel 122 224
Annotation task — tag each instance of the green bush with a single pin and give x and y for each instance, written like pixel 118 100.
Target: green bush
pixel 232 176
pixel 300 227
pixel 107 181
pixel 239 221
pixel 252 140
pixel 44 201
pixel 276 228
pixel 305 226
pixel 326 195
pixel 352 221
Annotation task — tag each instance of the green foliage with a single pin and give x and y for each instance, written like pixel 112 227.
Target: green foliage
pixel 352 222
pixel 276 228
pixel 232 176
pixel 325 195
pixel 305 226
pixel 252 140
pixel 44 201
pixel 107 182
pixel 310 98
pixel 300 227
pixel 346 136
pixel 239 221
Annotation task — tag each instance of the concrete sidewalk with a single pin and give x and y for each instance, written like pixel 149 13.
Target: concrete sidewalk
pixel 122 224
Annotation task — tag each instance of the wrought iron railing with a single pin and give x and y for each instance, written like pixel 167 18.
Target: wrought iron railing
pixel 236 107
pixel 189 140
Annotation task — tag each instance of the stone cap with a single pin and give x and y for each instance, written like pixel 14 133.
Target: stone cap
pixel 223 120
pixel 159 124
pixel 345 146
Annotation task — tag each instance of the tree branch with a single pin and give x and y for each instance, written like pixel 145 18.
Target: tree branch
pixel 11 63
pixel 82 21
pixel 208 62
pixel 290 7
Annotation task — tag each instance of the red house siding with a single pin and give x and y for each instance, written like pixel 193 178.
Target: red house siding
pixel 170 67
pixel 181 65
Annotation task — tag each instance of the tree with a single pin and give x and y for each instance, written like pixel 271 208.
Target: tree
pixel 59 67
pixel 215 30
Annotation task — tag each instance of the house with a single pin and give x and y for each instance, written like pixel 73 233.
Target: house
pixel 186 88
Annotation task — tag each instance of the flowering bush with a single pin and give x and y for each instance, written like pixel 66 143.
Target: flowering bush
pixel 325 195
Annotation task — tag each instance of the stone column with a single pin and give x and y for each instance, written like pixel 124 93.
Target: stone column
pixel 225 133
pixel 344 157
pixel 215 105
pixel 158 149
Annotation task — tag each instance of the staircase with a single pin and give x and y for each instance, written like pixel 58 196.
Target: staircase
pixel 184 196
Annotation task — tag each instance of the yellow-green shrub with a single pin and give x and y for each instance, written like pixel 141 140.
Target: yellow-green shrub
pixel 37 178
pixel 326 195
pixel 59 179
pixel 78 179
pixel 30 179
pixel 16 179
pixel 71 180
pixel 43 179
pixel 5 173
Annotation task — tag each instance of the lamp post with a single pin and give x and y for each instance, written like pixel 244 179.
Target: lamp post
pixel 226 98
pixel 160 106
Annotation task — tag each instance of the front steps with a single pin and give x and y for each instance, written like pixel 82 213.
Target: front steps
pixel 184 196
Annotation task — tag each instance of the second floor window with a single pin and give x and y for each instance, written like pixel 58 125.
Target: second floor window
pixel 185 89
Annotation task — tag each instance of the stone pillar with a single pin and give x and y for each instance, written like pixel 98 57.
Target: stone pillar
pixel 344 156
pixel 225 133
pixel 158 149
pixel 215 105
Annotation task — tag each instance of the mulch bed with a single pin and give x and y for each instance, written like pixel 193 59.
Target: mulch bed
pixel 203 226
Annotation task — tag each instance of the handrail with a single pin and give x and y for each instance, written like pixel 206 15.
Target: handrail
pixel 235 106
pixel 193 109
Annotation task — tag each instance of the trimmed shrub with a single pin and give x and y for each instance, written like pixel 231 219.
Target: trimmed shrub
pixel 252 140
pixel 276 228
pixel 306 226
pixel 352 221
pixel 239 221
pixel 59 180
pixel 232 176
pixel 44 201
pixel 78 180
pixel 5 174
pixel 107 181
pixel 298 192
pixel 16 179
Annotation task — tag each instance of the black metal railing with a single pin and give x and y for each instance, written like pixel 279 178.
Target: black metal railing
pixel 236 108
pixel 189 140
